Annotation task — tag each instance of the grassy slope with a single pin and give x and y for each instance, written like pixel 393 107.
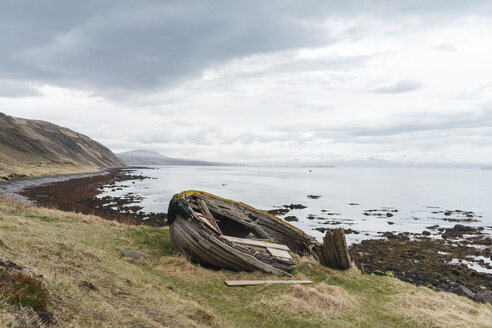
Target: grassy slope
pixel 41 169
pixel 70 250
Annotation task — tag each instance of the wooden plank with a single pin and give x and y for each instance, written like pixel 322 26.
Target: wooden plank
pixel 207 222
pixel 334 253
pixel 238 216
pixel 207 213
pixel 232 283
pixel 253 242
pixel 279 253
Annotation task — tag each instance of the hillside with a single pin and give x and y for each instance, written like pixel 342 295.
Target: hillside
pixel 30 147
pixel 84 281
pixel 147 157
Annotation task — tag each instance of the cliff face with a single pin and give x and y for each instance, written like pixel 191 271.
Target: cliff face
pixel 30 147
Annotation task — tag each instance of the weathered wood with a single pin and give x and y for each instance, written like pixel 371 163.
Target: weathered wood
pixel 254 242
pixel 193 236
pixel 334 253
pixel 207 222
pixel 199 244
pixel 240 217
pixel 209 215
pixel 279 253
pixel 233 283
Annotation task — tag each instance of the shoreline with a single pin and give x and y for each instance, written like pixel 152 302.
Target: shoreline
pixel 77 192
pixel 414 258
pixel 14 188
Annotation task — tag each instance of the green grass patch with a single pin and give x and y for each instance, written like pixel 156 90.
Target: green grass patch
pixel 42 218
pixel 22 289
pixel 155 241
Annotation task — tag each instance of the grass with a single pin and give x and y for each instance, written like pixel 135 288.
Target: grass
pixel 90 285
pixel 23 289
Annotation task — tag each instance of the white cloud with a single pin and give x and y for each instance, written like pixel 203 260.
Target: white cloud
pixel 398 82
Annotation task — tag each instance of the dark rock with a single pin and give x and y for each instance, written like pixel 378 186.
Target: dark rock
pixel 353 204
pixel 133 254
pixel 291 218
pixel 426 233
pixel 403 237
pixel 313 196
pixel 390 223
pixel 295 206
pixel 349 231
pixel 447 213
pixel 389 215
pixel 484 297
pixel 463 291
pixel 389 235
pixel 279 211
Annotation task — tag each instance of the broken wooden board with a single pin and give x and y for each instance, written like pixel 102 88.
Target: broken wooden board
pixel 233 283
pixel 253 242
pixel 209 215
pixel 207 222
pixel 279 253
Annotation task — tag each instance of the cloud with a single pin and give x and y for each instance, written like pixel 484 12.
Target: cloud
pixel 14 89
pixel 256 80
pixel 401 86
pixel 112 48
pixel 446 48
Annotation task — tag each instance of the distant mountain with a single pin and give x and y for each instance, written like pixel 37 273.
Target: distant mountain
pixel 147 157
pixel 30 147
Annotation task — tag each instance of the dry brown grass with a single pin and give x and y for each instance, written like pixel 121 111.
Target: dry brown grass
pixel 322 300
pixel 40 169
pixel 71 251
pixel 446 309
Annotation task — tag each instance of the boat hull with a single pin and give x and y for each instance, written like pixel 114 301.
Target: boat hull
pixel 193 239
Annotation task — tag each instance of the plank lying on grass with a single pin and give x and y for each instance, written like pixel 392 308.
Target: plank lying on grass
pixel 232 283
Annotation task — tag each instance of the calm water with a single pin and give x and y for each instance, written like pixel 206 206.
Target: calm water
pixel 414 192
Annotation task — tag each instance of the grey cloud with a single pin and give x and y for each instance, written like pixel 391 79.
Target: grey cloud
pixel 399 87
pixel 396 126
pixel 116 47
pixel 14 89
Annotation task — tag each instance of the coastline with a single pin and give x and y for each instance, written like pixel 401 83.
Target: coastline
pixel 440 264
pixel 77 193
pixel 79 260
pixel 14 188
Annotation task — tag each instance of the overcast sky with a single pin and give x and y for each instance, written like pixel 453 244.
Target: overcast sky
pixel 240 81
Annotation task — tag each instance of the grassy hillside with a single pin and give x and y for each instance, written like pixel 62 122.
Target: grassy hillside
pixel 89 284
pixel 30 147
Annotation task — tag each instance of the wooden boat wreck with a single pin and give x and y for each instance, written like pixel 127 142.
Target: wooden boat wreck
pixel 226 234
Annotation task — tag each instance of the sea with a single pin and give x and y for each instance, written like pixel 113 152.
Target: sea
pixel 352 198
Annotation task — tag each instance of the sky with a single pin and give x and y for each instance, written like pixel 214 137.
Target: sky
pixel 258 81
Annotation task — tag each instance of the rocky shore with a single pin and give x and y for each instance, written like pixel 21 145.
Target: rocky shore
pixel 78 193
pixel 456 259
pixel 461 262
